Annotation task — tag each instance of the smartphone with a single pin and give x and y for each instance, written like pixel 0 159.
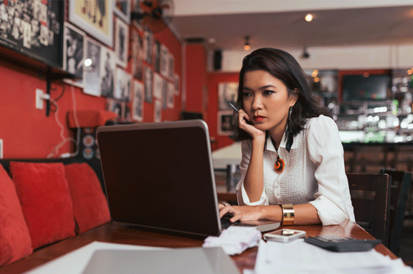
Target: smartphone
pixel 284 235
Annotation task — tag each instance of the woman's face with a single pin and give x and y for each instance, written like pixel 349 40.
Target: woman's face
pixel 266 101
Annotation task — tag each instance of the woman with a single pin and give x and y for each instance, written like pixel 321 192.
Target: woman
pixel 292 158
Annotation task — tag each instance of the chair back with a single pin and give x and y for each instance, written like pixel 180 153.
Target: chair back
pixel 400 185
pixel 370 195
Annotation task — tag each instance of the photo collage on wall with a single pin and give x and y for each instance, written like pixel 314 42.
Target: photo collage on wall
pixel 33 28
pixel 130 70
pixel 227 93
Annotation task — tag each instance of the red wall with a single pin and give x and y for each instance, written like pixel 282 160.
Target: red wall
pixel 28 133
pixel 196 79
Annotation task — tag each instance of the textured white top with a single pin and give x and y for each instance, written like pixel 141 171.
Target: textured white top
pixel 314 172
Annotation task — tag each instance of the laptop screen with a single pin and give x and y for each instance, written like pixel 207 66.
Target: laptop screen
pixel 160 175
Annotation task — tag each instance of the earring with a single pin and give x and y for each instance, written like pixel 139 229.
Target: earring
pixel 289 119
pixel 289 131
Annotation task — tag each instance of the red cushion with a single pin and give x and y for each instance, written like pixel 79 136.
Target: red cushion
pixel 15 240
pixel 45 199
pixel 89 203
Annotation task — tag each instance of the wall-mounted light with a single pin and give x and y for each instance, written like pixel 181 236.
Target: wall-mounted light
pixel 305 54
pixel 308 17
pixel 88 62
pixel 247 43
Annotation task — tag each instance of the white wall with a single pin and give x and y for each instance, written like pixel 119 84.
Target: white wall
pixel 342 58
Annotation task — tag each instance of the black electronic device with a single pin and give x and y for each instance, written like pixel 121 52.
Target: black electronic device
pixel 342 244
pixel 366 87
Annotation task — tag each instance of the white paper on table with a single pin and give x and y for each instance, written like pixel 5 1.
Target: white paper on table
pixel 301 257
pixel 76 261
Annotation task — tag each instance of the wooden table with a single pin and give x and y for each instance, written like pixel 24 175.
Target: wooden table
pixel 115 233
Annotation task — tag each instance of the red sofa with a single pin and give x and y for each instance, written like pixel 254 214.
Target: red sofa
pixel 44 201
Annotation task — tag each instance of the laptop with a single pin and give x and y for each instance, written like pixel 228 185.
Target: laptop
pixel 172 261
pixel 160 176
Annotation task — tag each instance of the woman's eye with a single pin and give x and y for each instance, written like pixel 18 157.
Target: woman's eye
pixel 268 92
pixel 246 94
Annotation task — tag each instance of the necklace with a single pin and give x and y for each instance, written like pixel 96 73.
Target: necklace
pixel 279 164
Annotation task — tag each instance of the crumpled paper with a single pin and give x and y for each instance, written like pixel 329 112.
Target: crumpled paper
pixel 235 239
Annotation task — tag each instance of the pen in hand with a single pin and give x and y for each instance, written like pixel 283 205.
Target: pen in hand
pixel 234 107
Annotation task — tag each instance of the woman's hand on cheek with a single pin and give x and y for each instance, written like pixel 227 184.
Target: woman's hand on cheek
pixel 242 213
pixel 248 127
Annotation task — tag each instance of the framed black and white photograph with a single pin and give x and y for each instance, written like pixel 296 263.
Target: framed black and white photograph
pixel 177 81
pixel 148 84
pixel 92 72
pixel 121 43
pixel 122 85
pixel 227 93
pixel 73 53
pixel 157 85
pixel 107 72
pixel 171 65
pixel 171 95
pixel 147 46
pixel 114 106
pixel 94 17
pixel 136 7
pixel 136 55
pixel 158 111
pixel 164 94
pixel 122 9
pixel 164 61
pixel 157 56
pixel 126 114
pixel 137 102
pixel 225 125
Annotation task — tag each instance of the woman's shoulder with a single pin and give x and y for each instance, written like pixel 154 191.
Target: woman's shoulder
pixel 321 122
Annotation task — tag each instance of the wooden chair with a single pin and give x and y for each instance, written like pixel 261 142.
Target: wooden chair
pixel 400 185
pixel 370 195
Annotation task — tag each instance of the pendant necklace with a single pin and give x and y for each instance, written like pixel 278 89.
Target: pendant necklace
pixel 279 164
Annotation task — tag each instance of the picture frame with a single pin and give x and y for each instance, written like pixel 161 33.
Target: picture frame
pixel 227 93
pixel 148 84
pixel 122 85
pixel 74 49
pixel 148 44
pixel 95 20
pixel 171 93
pixel 121 43
pixel 177 82
pixel 122 8
pixel 107 72
pixel 114 106
pixel 158 111
pixel 92 73
pixel 137 102
pixel 157 85
pixel 137 44
pixel 225 125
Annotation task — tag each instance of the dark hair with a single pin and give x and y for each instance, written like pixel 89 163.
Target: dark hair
pixel 284 67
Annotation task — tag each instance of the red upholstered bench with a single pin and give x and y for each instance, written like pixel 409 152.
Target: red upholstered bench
pixel 46 201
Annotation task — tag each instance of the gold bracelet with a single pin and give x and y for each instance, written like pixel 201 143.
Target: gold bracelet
pixel 288 214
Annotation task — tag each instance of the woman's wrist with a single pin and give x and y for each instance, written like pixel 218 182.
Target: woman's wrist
pixel 271 212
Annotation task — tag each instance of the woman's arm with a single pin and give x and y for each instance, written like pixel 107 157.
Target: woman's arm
pixel 254 177
pixel 304 214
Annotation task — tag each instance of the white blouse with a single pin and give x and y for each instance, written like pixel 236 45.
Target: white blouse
pixel 314 172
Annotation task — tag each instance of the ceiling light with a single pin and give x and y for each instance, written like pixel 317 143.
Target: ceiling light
pixel 247 44
pixel 308 17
